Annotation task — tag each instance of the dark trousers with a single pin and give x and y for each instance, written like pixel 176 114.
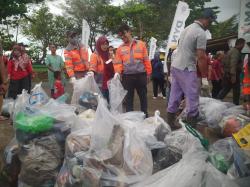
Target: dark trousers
pixel 227 86
pixel 217 86
pixel 136 82
pixel 158 83
pixel 16 87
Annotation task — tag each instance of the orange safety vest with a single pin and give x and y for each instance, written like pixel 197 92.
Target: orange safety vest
pixel 132 59
pixel 76 60
pixel 96 63
pixel 246 80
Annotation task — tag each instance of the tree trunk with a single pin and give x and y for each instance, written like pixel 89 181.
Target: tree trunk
pixel 44 50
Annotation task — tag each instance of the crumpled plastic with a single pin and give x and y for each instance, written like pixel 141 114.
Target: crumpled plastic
pixel 33 124
pixel 80 86
pixel 8 107
pixel 191 170
pixel 221 154
pixel 41 159
pixel 116 94
pixel 214 110
pixel 105 154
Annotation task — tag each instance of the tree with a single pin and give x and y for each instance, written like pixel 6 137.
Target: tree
pixel 164 14
pixel 93 11
pixel 46 28
pixel 10 13
pixel 10 8
pixel 225 28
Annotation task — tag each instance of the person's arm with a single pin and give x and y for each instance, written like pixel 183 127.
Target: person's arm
pixel 146 61
pixel 117 63
pixel 48 64
pixel 93 62
pixel 69 64
pixel 202 61
pixel 201 53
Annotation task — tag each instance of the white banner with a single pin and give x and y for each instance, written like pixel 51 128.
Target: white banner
pixel 178 25
pixel 244 25
pixel 85 33
pixel 152 48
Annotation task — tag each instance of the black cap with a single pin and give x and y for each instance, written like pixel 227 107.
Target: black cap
pixel 209 13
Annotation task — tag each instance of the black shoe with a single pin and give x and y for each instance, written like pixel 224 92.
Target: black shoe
pixel 172 122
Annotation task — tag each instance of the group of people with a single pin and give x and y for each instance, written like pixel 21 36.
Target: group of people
pixel 130 63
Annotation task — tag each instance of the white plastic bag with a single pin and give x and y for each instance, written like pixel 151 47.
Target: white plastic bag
pixel 213 110
pixel 116 94
pixel 102 126
pixel 137 156
pixel 8 107
pixel 85 84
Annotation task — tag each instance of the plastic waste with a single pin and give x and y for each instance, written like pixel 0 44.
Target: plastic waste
pixel 221 154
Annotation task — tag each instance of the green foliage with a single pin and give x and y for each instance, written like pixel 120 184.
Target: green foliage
pixel 225 28
pixel 14 7
pixel 95 12
pixel 46 28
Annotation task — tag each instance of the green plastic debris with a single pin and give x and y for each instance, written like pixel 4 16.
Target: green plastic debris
pixel 33 124
pixel 220 162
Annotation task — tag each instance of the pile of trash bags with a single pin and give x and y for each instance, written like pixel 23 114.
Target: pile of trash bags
pixel 92 142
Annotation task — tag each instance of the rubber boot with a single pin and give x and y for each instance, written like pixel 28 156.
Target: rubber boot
pixel 171 120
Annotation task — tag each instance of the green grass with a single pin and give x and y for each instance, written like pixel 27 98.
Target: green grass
pixel 39 68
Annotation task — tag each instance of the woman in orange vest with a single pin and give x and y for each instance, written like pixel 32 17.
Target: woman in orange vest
pixel 101 65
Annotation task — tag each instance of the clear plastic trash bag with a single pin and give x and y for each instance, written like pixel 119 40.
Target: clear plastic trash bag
pixel 8 107
pixel 116 95
pixel 221 154
pixel 80 86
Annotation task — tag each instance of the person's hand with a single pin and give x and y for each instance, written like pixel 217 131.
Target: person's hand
pixel 3 88
pixel 90 73
pixel 117 76
pixel 233 79
pixel 72 80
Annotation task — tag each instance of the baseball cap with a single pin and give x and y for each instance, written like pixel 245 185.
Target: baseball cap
pixel 209 13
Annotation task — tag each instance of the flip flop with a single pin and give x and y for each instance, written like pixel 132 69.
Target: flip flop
pixel 2 118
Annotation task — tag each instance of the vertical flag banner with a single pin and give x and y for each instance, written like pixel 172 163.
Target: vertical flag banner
pixel 152 48
pixel 178 25
pixel 85 33
pixel 244 25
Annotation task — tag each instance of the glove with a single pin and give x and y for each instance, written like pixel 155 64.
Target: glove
pixel 90 73
pixel 204 82
pixel 72 80
pixel 117 76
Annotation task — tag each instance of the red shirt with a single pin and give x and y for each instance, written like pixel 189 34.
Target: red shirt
pixel 19 73
pixel 215 70
pixel 59 89
pixel 108 74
